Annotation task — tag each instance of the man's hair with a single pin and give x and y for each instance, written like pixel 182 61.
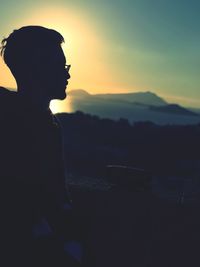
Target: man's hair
pixel 23 44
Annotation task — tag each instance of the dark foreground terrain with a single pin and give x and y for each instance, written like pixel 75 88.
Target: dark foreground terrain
pixel 127 228
pixel 157 227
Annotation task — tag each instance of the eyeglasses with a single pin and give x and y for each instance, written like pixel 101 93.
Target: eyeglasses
pixel 67 67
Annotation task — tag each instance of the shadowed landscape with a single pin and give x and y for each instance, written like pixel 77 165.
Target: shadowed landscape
pixel 114 86
pixel 127 225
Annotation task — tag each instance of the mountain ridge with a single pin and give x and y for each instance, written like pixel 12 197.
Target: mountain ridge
pixel 174 109
pixel 139 106
pixel 139 97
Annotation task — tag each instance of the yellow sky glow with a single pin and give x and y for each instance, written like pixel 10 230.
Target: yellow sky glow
pixel 86 49
pixel 83 48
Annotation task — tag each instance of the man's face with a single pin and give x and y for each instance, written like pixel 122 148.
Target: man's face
pixel 53 75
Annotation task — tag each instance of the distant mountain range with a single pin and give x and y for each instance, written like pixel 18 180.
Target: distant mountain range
pixel 173 109
pixel 140 106
pixel 147 98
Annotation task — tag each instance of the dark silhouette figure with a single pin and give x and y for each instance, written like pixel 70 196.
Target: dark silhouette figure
pixel 34 221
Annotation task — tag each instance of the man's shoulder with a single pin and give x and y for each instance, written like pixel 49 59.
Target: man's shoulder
pixel 7 100
pixel 6 93
pixel 9 109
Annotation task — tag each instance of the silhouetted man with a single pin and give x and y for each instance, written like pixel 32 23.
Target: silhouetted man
pixel 32 175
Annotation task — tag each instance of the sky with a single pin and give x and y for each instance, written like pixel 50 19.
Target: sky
pixel 119 45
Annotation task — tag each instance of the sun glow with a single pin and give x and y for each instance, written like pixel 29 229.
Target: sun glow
pixel 83 47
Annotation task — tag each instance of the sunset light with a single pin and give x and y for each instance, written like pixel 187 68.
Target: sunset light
pixel 120 48
pixel 100 133
pixel 83 46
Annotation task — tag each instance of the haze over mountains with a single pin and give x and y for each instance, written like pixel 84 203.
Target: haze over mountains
pixel 141 106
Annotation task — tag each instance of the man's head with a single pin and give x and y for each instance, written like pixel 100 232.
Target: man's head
pixel 36 60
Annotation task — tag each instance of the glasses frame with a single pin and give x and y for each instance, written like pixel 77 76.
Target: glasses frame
pixel 67 67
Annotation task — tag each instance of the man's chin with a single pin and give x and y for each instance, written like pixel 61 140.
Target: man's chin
pixel 60 96
pixel 63 96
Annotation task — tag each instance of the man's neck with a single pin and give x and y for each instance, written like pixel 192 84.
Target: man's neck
pixel 38 101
